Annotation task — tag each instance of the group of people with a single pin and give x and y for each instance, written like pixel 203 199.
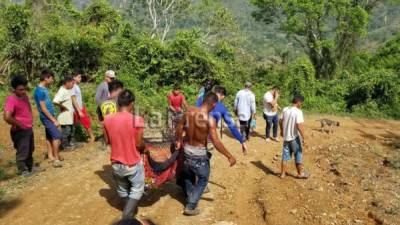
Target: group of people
pixel 199 126
pixel 59 129
pixel 194 127
pixel 290 123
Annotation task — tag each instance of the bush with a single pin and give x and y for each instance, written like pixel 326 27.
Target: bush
pixel 388 56
pixel 2 193
pixel 300 79
pixel 102 15
pixel 379 86
pixel 369 109
pixel 3 174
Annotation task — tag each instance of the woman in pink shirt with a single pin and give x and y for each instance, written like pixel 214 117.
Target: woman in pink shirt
pixel 18 113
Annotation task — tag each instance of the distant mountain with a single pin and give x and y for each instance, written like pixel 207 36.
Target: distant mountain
pixel 263 40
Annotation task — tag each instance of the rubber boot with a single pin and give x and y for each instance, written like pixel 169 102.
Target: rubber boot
pixel 123 202
pixel 130 207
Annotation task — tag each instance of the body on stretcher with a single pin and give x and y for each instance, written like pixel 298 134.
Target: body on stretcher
pixel 160 165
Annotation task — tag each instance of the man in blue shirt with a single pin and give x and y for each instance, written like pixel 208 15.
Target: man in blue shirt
pixel 47 116
pixel 220 111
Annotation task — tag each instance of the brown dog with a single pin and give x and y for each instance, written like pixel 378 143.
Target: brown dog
pixel 328 123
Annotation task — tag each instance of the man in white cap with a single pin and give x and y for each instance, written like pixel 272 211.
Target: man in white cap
pixel 102 92
pixel 245 109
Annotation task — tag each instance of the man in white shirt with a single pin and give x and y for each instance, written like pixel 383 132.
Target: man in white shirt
pixel 245 109
pixel 271 117
pixel 292 131
pixel 81 115
pixel 63 99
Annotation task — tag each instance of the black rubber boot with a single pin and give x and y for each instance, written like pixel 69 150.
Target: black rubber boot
pixel 123 202
pixel 130 207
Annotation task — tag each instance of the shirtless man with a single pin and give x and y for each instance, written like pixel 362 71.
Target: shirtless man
pixel 197 162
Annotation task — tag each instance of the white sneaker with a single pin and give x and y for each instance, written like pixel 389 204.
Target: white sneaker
pixel 268 140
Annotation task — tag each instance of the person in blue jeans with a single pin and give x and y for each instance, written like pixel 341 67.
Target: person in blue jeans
pixel 221 112
pixel 196 170
pixel 294 139
pixel 271 116
pixel 47 116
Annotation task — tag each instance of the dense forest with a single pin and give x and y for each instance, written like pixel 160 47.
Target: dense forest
pixel 343 56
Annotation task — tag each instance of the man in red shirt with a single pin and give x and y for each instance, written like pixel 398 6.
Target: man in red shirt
pixel 18 113
pixel 176 101
pixel 124 132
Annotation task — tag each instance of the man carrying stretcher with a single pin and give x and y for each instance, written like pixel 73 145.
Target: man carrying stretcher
pixel 196 168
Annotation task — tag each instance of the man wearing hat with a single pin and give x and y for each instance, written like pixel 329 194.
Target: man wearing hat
pixel 102 93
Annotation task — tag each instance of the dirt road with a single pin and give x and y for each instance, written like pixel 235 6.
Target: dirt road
pixel 353 181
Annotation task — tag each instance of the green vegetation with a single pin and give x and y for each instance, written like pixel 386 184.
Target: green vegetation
pixel 329 51
pixel 2 193
pixel 3 175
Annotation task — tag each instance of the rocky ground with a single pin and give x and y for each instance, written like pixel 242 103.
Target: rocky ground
pixel 354 180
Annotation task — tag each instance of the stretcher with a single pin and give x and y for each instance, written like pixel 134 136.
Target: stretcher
pixel 162 162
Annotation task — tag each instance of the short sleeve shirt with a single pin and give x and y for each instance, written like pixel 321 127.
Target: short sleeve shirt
pixel 76 90
pixel 102 93
pixel 20 109
pixel 291 116
pixel 268 98
pixel 64 97
pixel 121 129
pixel 176 101
pixel 42 94
pixel 109 107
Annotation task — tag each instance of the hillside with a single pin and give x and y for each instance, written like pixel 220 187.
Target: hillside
pixel 266 40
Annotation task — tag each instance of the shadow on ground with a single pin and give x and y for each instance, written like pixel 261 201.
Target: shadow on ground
pixel 389 139
pixel 264 168
pixel 254 134
pixel 257 134
pixel 109 193
pixel 269 171
pixel 149 198
pixel 8 205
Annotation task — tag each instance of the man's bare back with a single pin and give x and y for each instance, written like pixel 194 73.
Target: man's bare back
pixel 199 125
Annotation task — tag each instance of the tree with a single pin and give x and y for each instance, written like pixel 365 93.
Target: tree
pixel 104 16
pixel 388 56
pixel 212 18
pixel 327 30
pixel 19 45
pixel 159 15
